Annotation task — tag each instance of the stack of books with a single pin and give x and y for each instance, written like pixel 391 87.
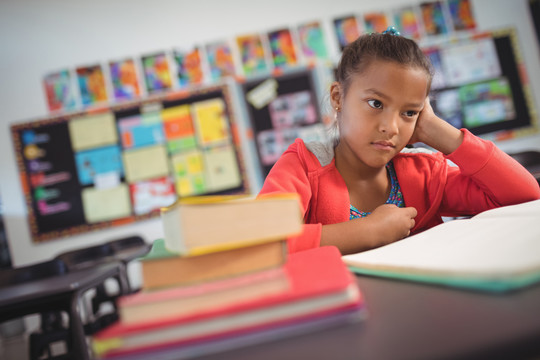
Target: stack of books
pixel 222 278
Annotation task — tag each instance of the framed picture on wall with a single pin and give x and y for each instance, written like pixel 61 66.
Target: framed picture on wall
pixel 483 89
pixel 281 109
pixel 116 165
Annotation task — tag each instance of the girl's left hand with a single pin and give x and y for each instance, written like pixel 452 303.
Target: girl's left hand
pixel 435 132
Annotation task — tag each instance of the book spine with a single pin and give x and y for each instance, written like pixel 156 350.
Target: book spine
pixel 174 240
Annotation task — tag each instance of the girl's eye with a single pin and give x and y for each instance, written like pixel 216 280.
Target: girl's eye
pixel 376 104
pixel 411 113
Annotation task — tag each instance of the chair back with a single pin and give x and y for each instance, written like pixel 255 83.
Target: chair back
pixel 87 257
pixel 32 272
pixel 132 242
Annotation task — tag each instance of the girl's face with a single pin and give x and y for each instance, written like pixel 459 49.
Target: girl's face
pixel 378 114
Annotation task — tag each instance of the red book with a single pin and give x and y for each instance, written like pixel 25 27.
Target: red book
pixel 320 286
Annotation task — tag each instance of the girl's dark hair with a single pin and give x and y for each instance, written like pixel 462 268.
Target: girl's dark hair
pixel 359 54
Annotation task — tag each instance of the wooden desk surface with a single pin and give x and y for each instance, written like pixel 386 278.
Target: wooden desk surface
pixel 414 321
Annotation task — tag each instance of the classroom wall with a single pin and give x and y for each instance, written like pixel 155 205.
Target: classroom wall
pixel 40 36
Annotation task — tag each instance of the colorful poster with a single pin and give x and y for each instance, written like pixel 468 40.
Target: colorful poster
pixel 151 195
pixel 141 130
pixel 282 47
pixel 211 122
pixel 156 72
pixel 178 127
pixel 91 85
pixel 93 164
pixel 433 17
pixel 59 91
pixel 375 22
pixel 462 14
pixel 291 110
pixel 124 79
pixel 407 22
pixel 312 41
pixel 347 30
pixel 252 54
pixel 220 60
pixel 188 67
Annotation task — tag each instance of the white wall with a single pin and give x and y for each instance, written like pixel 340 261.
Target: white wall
pixel 40 36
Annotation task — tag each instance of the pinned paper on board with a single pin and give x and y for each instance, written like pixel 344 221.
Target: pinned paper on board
pixel 92 131
pixel 156 72
pixel 59 91
pixel 469 62
pixel 106 204
pixel 312 41
pixel 124 80
pixel 146 163
pixel 487 102
pixel 211 122
pixel 96 162
pixel 282 47
pixel 293 109
pixel 220 60
pixel 91 85
pixel 221 168
pixel 252 54
pixel 189 69
pixel 263 94
pixel 151 195
pixel 141 130
pixel 178 127
pixel 188 173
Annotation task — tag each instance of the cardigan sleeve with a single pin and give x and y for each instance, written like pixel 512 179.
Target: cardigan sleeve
pixel 486 177
pixel 289 175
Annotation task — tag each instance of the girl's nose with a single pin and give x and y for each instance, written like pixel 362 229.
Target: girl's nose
pixel 389 124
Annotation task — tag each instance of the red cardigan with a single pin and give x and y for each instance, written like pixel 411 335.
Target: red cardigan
pixel 485 178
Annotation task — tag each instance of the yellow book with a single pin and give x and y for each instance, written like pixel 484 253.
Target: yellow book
pixel 205 224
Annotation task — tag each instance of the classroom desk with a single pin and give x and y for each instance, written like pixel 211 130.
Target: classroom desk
pixel 414 321
pixel 56 293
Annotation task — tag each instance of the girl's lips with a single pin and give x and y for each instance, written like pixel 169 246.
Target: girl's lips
pixel 383 145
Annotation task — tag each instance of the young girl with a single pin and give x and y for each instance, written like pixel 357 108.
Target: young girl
pixel 363 191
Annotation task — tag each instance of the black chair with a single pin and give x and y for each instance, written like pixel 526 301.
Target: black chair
pixel 121 251
pixel 126 250
pixel 89 257
pixel 52 327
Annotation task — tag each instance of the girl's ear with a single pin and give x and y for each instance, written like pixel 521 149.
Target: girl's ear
pixel 336 95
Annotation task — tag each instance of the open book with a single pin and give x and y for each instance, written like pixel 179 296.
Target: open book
pixel 497 250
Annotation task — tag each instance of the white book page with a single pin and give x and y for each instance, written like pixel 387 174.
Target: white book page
pixel 482 246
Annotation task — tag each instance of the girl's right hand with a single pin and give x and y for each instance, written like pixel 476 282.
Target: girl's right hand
pixel 391 223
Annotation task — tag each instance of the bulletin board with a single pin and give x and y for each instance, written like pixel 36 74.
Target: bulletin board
pixel 282 108
pixel 115 165
pixel 480 84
